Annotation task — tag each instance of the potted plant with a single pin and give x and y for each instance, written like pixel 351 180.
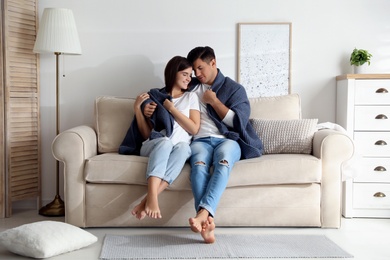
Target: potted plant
pixel 360 57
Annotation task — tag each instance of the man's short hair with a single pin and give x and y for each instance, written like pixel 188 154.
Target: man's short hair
pixel 206 54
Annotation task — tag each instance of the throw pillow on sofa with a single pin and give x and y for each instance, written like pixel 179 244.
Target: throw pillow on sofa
pixel 286 136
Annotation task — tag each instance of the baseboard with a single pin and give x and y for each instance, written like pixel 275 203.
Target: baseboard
pixel 26 204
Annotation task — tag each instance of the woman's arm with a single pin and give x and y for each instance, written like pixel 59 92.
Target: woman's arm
pixel 143 123
pixel 191 124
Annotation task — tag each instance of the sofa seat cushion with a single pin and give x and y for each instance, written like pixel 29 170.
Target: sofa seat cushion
pixel 273 169
pixel 116 168
pixel 265 170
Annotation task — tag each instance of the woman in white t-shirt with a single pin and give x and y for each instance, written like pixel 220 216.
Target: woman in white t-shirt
pixel 167 155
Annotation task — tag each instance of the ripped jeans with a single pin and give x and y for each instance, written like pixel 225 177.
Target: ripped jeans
pixel 208 187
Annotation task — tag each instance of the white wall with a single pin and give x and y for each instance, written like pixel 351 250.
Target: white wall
pixel 126 44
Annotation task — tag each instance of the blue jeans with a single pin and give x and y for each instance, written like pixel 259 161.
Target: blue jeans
pixel 208 187
pixel 165 159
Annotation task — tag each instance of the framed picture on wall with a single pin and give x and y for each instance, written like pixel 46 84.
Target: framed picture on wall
pixel 264 58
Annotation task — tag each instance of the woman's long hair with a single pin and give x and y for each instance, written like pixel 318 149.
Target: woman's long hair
pixel 173 66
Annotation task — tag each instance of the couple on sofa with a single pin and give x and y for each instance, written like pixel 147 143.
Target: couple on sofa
pixel 211 110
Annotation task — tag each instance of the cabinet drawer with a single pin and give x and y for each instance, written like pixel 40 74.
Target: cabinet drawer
pixel 372 144
pixel 372 92
pixel 367 196
pixel 375 118
pixel 373 170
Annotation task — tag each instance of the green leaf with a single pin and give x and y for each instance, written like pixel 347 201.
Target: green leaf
pixel 359 57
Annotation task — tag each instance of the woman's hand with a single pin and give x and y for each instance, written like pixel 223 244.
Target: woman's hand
pixel 168 105
pixel 140 99
pixel 149 109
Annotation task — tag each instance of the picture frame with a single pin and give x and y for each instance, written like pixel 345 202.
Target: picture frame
pixel 264 58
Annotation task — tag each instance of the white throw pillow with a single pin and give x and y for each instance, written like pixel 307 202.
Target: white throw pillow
pixel 45 239
pixel 286 136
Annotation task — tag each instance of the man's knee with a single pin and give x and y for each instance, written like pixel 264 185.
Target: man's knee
pixel 200 163
pixel 224 162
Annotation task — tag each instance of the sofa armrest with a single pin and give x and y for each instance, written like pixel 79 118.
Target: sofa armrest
pixel 73 147
pixel 333 148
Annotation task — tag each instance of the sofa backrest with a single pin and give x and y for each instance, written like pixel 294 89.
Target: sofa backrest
pixel 113 116
pixel 278 107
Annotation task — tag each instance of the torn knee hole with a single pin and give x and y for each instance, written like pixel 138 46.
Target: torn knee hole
pixel 200 163
pixel 224 162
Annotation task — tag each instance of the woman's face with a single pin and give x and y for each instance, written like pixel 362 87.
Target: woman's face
pixel 183 78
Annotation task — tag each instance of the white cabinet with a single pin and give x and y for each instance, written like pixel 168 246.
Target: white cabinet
pixel 363 109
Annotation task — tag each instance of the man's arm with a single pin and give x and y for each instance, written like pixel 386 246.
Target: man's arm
pixel 224 112
pixel 209 97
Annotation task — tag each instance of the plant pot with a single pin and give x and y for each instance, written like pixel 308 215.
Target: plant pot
pixel 360 69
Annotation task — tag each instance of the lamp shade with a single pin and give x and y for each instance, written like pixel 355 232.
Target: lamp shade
pixel 57 32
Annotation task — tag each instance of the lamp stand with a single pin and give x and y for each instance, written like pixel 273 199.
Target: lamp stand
pixel 56 208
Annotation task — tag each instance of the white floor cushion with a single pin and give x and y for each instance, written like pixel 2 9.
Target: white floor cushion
pixel 45 239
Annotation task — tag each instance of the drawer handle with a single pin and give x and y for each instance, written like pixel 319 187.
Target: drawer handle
pixel 380 142
pixel 381 116
pixel 380 169
pixel 381 90
pixel 379 195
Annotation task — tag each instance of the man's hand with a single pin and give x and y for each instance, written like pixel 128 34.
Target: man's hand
pixel 209 97
pixel 149 109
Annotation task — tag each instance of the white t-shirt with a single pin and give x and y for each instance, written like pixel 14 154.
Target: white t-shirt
pixel 184 104
pixel 207 125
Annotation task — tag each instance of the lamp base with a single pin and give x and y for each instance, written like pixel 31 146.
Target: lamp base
pixel 56 208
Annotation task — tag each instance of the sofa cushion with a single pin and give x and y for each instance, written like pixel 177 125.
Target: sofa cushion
pixel 44 239
pixel 286 136
pixel 113 116
pixel 279 107
pixel 274 169
pixel 264 170
pixel 116 168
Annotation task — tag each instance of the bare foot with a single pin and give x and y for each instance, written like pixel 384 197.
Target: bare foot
pixel 195 225
pixel 197 222
pixel 151 207
pixel 139 210
pixel 207 232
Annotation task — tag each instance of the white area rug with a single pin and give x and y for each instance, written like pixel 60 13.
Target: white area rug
pixel 191 246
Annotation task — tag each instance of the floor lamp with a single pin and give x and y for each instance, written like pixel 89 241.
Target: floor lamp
pixel 57 34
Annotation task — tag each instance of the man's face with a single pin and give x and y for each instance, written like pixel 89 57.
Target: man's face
pixel 205 72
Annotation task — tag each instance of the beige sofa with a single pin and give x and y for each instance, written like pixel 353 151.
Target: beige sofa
pixel 102 186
